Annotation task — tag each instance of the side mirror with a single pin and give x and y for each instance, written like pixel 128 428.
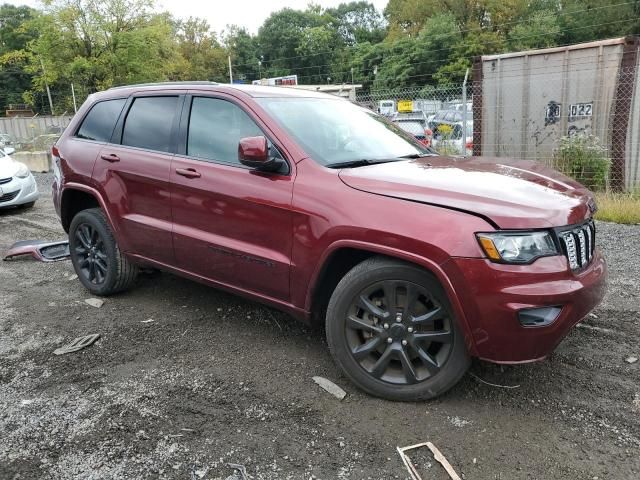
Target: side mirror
pixel 254 152
pixel 9 150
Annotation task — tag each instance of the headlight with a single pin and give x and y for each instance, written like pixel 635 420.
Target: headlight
pixel 23 171
pixel 517 247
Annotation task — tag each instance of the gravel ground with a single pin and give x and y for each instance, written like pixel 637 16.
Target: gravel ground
pixel 215 379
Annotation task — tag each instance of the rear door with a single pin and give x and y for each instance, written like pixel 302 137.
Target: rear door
pixel 133 171
pixel 232 224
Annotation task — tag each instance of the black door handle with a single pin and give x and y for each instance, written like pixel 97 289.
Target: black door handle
pixel 110 158
pixel 188 172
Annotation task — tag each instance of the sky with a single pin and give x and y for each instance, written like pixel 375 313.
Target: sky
pixel 219 13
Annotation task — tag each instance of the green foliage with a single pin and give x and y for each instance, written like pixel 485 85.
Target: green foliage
pixel 417 43
pixel 584 158
pixel 15 35
pixel 618 207
pixel 243 48
pixel 540 30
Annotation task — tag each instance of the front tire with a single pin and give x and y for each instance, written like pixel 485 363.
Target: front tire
pixel 392 331
pixel 100 265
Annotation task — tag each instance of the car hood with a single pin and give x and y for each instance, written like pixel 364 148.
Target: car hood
pixel 508 193
pixel 8 167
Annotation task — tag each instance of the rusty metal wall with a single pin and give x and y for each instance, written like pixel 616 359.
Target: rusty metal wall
pixel 632 165
pixel 530 100
pixel 26 129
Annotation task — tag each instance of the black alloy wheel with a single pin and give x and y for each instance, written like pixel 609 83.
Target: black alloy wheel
pixel 391 329
pixel 100 265
pixel 398 333
pixel 90 251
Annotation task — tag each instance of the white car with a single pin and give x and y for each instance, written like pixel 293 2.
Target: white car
pixel 17 185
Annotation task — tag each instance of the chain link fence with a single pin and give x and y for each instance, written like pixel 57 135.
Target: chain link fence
pixel 585 123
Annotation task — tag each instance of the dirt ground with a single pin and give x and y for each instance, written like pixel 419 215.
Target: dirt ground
pixel 215 379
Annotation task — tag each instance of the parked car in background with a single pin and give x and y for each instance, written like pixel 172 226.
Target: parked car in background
pixel 387 107
pixel 18 188
pixel 417 129
pixel 448 137
pixel 414 262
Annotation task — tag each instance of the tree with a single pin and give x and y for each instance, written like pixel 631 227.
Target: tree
pixel 15 35
pixel 414 61
pixel 201 55
pixel 245 52
pixel 358 22
pixel 587 20
pixel 98 45
pixel 540 30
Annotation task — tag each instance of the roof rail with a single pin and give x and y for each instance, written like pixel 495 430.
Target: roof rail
pixel 163 84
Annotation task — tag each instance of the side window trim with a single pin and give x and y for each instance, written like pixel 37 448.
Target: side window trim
pixel 183 129
pixel 116 138
pixel 84 117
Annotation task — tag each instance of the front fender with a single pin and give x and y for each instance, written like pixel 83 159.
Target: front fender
pixel 428 264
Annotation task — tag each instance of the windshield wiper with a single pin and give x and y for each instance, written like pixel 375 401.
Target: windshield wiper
pixel 360 162
pixel 418 155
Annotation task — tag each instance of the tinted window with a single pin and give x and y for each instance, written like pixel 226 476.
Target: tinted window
pixel 99 123
pixel 215 129
pixel 148 124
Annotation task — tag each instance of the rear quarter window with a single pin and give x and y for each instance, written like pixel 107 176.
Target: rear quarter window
pixel 99 123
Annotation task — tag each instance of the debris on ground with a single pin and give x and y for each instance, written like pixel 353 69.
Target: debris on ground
pixel 72 277
pixel 77 344
pixel 459 422
pixel 492 384
pixel 42 250
pixel 595 329
pixel 148 320
pixel 436 454
pixel 198 473
pixel 631 359
pixel 330 387
pixel 94 302
pixel 240 472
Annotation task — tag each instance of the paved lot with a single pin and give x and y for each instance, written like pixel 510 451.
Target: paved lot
pixel 216 379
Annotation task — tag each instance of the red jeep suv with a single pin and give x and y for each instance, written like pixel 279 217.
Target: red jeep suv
pixel 306 202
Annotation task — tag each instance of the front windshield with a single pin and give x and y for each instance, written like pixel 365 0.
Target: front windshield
pixel 336 131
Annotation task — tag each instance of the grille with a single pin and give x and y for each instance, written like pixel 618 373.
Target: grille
pixel 5 180
pixel 7 197
pixel 579 244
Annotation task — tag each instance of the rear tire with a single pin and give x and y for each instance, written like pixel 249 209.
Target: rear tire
pixel 100 265
pixel 392 331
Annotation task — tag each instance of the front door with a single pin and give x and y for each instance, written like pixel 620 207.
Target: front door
pixel 231 224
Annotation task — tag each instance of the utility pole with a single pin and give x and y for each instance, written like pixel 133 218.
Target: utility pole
pixel 464 114
pixel 230 71
pixel 73 94
pixel 352 76
pixel 46 84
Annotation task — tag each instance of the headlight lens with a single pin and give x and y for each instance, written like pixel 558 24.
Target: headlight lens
pixel 517 247
pixel 23 171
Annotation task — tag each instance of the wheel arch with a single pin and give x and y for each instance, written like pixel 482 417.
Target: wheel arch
pixel 76 198
pixel 342 256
